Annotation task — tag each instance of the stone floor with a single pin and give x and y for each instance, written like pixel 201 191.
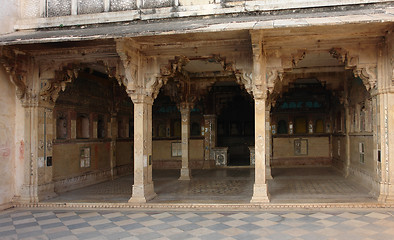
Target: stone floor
pixel 230 185
pixel 360 224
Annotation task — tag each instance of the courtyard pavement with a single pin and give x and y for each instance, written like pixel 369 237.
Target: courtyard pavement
pixel 68 224
pixel 230 186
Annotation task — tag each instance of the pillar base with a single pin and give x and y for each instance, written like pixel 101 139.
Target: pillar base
pixel 268 174
pixel 387 194
pixel 185 174
pixel 260 194
pixel 142 193
pixel 33 194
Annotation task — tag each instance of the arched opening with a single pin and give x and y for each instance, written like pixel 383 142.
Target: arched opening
pixel 310 99
pixel 86 149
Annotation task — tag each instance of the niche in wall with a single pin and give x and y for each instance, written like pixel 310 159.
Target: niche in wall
pixel 101 130
pixel 83 124
pixel 61 126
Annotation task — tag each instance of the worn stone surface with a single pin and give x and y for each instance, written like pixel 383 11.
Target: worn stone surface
pixel 7 142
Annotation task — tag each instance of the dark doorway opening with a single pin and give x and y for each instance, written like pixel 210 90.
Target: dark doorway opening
pixel 235 124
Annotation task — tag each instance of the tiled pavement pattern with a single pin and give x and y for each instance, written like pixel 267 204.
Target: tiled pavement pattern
pixel 230 185
pixel 377 224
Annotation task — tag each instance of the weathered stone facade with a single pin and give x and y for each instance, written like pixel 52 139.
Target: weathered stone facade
pixel 97 89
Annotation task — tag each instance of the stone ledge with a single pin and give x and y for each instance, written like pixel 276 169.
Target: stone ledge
pixel 182 26
pixel 181 12
pixel 205 207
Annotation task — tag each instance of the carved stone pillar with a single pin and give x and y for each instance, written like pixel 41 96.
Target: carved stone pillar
pixel 348 122
pixel 113 135
pixel 385 100
pixel 39 136
pixel 268 141
pixel 260 191
pixel 143 190
pixel 209 140
pixel 185 129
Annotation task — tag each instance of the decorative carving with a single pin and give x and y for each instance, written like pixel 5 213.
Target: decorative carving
pixel 51 87
pixel 115 70
pixel 245 79
pixel 272 76
pixel 14 65
pixel 298 56
pixel 366 72
pixel 339 54
pixel 368 75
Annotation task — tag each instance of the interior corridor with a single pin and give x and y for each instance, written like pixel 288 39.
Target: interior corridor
pixel 230 185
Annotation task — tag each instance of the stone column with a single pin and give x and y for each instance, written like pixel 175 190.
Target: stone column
pixel 143 189
pixel 268 142
pixel 185 125
pixel 347 139
pixel 39 136
pixel 260 191
pixel 385 98
pixel 209 140
pixel 113 135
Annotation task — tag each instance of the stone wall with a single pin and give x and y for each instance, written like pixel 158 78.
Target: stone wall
pixel 339 152
pixel 68 173
pixel 285 153
pixel 162 154
pixel 124 153
pixel 7 140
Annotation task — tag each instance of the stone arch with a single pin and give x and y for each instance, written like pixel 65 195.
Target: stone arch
pixel 367 72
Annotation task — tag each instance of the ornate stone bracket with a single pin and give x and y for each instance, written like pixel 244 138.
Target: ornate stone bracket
pixel 245 79
pixel 367 72
pixel 115 70
pixel 272 75
pixel 141 81
pixel 51 87
pixel 15 66
pixel 367 75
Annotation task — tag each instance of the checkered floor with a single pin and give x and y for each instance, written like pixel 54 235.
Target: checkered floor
pixel 279 225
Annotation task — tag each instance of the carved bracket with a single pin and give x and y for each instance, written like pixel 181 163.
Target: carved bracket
pixel 367 75
pixel 116 70
pixel 245 79
pixel 15 66
pixel 367 72
pixel 272 75
pixel 51 87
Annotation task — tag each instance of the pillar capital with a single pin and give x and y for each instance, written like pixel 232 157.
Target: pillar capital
pixel 141 98
pixel 185 107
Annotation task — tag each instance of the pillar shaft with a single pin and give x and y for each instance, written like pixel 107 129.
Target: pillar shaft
pixel 209 140
pixel 143 190
pixel 385 100
pixel 260 191
pixel 39 136
pixel 114 134
pixel 185 126
pixel 268 145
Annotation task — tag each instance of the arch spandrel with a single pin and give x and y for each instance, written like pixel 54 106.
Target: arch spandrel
pixel 362 62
